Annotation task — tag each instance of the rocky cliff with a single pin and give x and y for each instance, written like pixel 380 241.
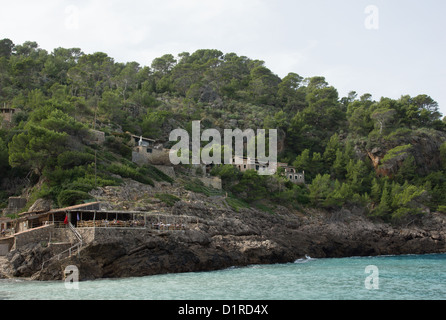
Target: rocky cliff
pixel 423 145
pixel 222 238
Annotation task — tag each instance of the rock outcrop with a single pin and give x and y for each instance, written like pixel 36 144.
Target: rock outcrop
pixel 218 237
pixel 424 147
pixel 222 238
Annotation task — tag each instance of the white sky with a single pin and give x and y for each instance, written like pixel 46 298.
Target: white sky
pixel 405 55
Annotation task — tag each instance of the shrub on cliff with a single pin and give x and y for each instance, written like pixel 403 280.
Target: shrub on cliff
pixel 117 145
pixel 251 186
pixel 398 201
pixel 125 171
pixel 168 199
pixel 72 197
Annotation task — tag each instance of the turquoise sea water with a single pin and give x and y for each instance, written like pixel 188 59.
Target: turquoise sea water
pixel 411 277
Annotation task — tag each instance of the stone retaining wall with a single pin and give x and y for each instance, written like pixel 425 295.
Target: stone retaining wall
pixel 44 234
pixel 4 249
pixel 62 235
pixel 6 245
pixel 111 234
pixel 214 182
pixel 37 235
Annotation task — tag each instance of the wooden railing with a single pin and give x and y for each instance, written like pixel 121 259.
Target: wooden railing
pixel 70 251
pixel 110 224
pixel 132 224
pixel 65 254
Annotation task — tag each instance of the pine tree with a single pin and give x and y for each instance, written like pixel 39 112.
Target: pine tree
pixel 335 198
pixel 330 150
pixel 3 157
pixel 407 171
pixel 339 165
pixel 376 190
pixel 316 163
pixel 319 189
pixel 385 203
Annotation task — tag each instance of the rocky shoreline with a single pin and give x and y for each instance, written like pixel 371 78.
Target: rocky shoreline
pixel 222 238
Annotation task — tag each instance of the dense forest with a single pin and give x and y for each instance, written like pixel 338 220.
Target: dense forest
pixel 386 156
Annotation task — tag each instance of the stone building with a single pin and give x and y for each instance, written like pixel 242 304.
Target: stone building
pixel 244 163
pixel 6 115
pixel 294 176
pixel 148 151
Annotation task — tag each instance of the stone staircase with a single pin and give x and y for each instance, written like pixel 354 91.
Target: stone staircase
pixel 67 249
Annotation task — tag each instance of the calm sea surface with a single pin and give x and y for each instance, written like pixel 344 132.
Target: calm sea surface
pixel 390 278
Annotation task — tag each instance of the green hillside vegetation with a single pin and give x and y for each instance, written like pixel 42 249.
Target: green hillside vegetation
pixel 60 96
